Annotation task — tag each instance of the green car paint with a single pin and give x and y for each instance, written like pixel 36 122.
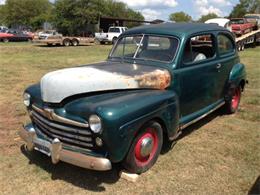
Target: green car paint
pixel 195 90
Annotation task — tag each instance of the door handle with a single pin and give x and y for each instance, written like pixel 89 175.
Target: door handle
pixel 218 66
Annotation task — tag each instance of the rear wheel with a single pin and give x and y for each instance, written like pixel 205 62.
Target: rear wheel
pixel 145 148
pixel 74 42
pixel 232 103
pixel 114 40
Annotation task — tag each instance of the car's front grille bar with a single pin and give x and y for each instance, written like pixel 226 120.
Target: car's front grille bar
pixel 69 134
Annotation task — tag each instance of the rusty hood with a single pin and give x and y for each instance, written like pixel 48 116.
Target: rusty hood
pixel 60 84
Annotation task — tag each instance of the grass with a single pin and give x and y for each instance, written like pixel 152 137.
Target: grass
pixel 217 155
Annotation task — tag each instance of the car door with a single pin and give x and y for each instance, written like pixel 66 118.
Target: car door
pixel 197 75
pixel 227 57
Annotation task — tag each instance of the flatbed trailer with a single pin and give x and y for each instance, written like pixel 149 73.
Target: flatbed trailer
pixel 252 38
pixel 66 41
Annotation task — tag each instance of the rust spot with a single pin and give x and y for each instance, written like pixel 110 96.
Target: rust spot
pixel 158 79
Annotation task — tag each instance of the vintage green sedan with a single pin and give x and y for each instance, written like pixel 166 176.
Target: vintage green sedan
pixel 157 80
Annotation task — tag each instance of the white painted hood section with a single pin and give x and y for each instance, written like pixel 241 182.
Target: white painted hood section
pixel 57 85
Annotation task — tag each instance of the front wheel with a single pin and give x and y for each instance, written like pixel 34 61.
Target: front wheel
pixel 66 42
pixel 233 102
pixel 5 40
pixel 145 148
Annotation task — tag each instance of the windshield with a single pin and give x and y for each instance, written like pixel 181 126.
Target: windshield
pixel 146 47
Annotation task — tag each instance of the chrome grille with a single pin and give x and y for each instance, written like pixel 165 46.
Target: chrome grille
pixel 68 134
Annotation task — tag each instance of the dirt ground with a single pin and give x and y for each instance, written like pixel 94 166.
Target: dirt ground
pixel 218 155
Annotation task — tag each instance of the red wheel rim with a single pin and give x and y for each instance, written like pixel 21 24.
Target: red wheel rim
pixel 141 160
pixel 236 99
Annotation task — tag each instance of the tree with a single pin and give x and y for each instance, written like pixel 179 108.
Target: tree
pixel 244 7
pixel 26 12
pixel 72 17
pixel 180 17
pixel 204 18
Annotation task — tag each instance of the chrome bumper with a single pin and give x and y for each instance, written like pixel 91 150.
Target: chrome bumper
pixel 57 153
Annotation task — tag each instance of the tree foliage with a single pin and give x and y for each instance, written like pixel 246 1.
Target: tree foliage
pixel 244 7
pixel 25 12
pixel 71 16
pixel 180 17
pixel 204 18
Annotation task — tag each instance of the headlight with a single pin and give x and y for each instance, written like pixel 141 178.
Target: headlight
pixel 26 99
pixel 95 123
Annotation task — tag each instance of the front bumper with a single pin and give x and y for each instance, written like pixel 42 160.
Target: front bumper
pixel 58 153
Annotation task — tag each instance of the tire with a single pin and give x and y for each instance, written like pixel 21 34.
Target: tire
pixel 139 159
pixel 114 40
pixel 5 40
pixel 66 42
pixel 242 46
pixel 233 100
pixel 49 44
pixel 102 43
pixel 74 42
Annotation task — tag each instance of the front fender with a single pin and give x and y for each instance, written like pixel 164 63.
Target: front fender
pixel 126 119
pixel 123 114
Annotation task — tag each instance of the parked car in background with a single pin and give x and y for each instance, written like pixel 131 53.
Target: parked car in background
pixel 158 80
pixel 240 26
pixel 46 34
pixel 3 29
pixel 254 19
pixel 14 35
pixel 224 22
pixel 111 36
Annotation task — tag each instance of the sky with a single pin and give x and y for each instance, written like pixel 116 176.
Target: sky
pixel 161 9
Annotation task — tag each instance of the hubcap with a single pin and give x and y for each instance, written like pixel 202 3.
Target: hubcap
pixel 146 147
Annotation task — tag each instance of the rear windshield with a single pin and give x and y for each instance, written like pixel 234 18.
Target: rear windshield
pixel 237 21
pixel 116 30
pixel 252 17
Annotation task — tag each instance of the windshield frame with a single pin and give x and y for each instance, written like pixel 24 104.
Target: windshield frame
pixel 142 59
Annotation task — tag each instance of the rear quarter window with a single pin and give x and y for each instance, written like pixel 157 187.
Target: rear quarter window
pixel 225 45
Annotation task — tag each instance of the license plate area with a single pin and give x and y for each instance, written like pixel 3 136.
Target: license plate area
pixel 42 146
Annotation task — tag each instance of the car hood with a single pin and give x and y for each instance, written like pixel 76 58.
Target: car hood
pixel 60 84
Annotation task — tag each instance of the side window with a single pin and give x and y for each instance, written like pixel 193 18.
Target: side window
pixel 199 48
pixel 225 45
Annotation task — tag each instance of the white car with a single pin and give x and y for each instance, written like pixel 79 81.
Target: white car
pixel 111 36
pixel 224 22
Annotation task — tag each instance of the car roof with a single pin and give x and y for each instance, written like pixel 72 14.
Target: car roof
pixel 175 29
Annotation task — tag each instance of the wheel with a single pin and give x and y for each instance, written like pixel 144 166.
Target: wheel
pixel 102 42
pixel 5 40
pixel 114 40
pixel 242 47
pixel 233 100
pixel 66 42
pixel 74 42
pixel 145 148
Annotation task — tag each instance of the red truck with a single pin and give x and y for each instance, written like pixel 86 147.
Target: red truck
pixel 241 26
